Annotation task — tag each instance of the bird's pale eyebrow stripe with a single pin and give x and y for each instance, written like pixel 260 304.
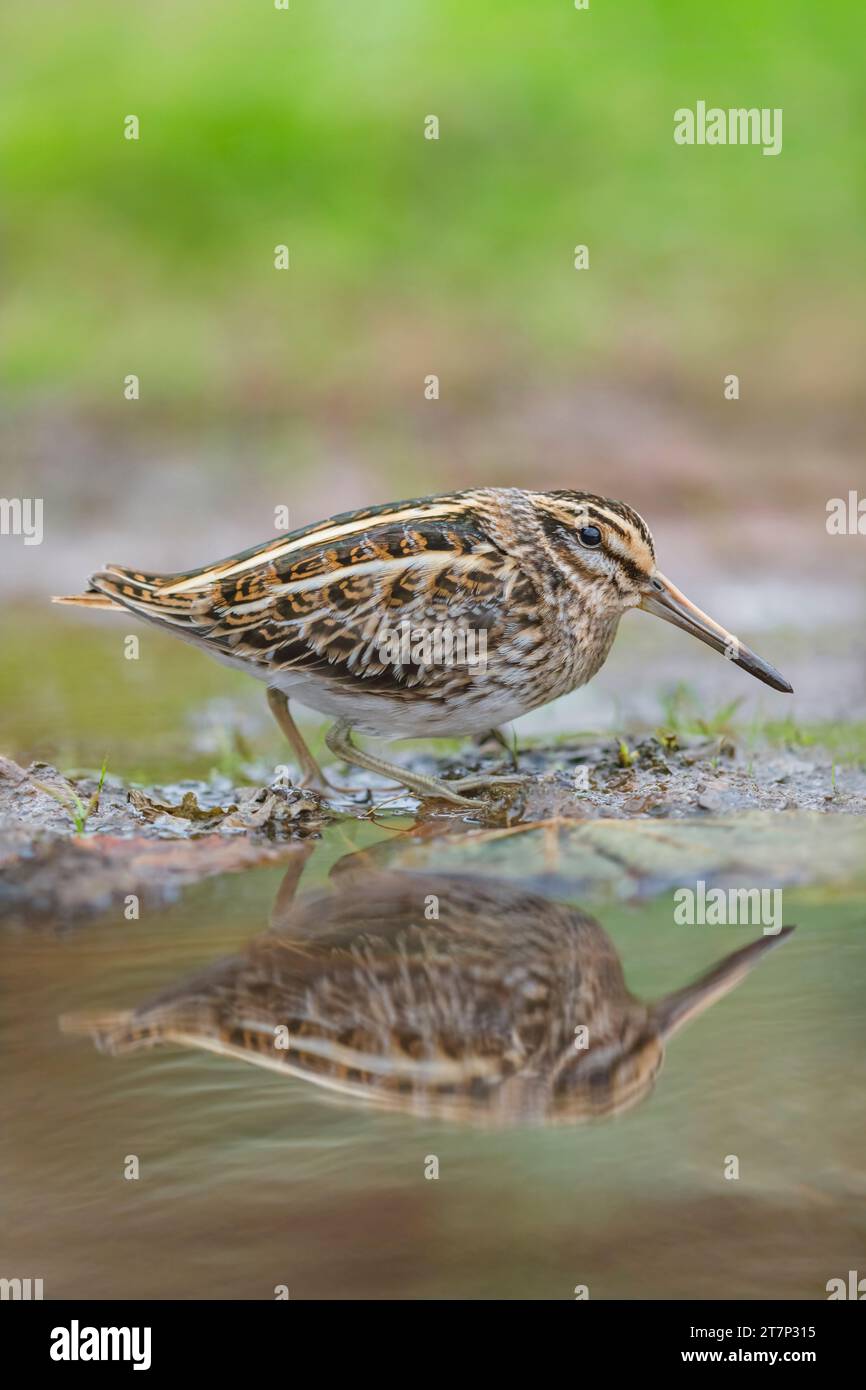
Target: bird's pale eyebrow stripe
pixel 605 519
pixel 585 512
pixel 311 539
pixel 426 559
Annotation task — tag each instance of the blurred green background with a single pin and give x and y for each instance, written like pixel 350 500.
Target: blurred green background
pixel 305 126
pixel 305 387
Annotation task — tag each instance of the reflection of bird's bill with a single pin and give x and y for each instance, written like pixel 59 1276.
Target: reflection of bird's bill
pixel 666 601
pixel 675 1010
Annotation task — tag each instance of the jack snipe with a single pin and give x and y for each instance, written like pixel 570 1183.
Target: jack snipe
pixel 438 616
pixel 471 1017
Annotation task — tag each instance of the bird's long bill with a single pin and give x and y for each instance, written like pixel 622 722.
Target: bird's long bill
pixel 666 601
pixel 673 1012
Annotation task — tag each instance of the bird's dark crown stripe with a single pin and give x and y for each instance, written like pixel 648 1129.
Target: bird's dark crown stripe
pixel 604 518
pixel 585 513
pixel 609 507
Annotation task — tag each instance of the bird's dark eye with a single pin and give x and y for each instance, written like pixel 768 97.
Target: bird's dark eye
pixel 589 536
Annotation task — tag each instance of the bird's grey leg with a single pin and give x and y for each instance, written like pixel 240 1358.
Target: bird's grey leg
pixel 499 736
pixel 339 740
pixel 311 774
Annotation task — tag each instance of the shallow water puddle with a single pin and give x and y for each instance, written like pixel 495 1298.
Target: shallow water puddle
pixel 612 1167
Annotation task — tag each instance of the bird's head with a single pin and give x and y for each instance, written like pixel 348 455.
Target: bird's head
pixel 606 548
pixel 619 1068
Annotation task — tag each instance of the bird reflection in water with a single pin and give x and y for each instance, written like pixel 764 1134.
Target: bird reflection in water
pixel 444 995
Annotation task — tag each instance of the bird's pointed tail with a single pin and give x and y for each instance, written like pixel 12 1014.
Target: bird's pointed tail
pixel 147 594
pixel 91 599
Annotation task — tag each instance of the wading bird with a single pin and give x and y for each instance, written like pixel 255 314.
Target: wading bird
pixel 544 576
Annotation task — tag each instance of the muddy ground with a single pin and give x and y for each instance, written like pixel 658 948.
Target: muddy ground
pixel 68 849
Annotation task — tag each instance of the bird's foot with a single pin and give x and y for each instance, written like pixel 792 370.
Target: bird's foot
pixel 484 781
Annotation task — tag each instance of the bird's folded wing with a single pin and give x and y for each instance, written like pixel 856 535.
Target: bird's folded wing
pixel 352 598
